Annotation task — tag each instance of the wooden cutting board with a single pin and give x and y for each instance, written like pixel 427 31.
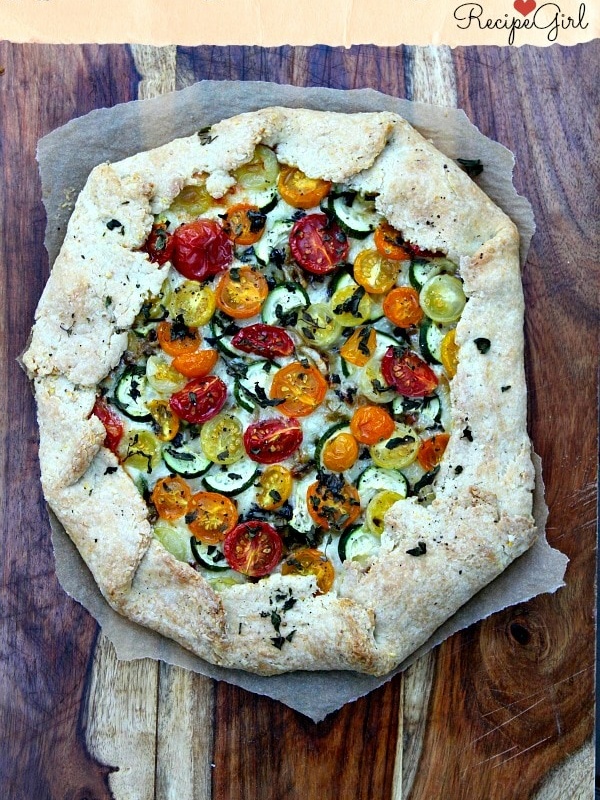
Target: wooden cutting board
pixel 501 711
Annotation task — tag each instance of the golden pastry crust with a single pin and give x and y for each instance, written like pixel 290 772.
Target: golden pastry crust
pixel 481 517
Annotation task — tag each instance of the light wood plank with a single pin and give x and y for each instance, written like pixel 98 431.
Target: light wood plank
pixel 431 77
pixel 573 779
pixel 184 742
pixel 120 718
pixel 156 66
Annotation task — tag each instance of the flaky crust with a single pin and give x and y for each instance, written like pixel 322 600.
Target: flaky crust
pixel 481 517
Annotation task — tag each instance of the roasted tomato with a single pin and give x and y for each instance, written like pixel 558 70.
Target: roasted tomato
pixel 171 497
pixel 332 503
pixel 253 548
pixel 299 190
pixel 222 439
pixel 390 244
pixel 449 351
pixel 166 422
pixel 360 347
pixel 371 424
pixel 267 341
pixel 408 373
pixel 201 249
pixel 318 244
pixel 340 452
pixel 200 400
pixel 302 388
pixel 112 424
pixel 374 272
pixel 193 303
pixel 159 245
pixel 401 306
pixel 244 224
pixel 274 486
pixel 211 516
pixel 431 451
pixel 310 561
pixel 196 365
pixel 176 338
pixel 241 292
pixel 272 440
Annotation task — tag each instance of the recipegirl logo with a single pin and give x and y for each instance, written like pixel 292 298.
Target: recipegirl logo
pixel 547 17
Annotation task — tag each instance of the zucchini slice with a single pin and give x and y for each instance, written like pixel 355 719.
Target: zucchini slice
pixel 358 544
pixel 356 216
pixel 375 479
pixel 208 556
pixel 130 394
pixel 276 236
pixel 231 479
pixel 222 340
pixel 421 269
pixel 431 335
pixel 285 297
pixel 185 461
pixel 256 384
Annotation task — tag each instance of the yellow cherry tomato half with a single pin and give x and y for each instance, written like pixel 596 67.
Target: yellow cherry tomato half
pixel 176 338
pixel 340 452
pixel 374 272
pixel 171 497
pixel 161 375
pixel 260 173
pixel 310 561
pixel 274 487
pixel 360 346
pixel 196 365
pixel 449 353
pixel 211 516
pixel 371 424
pixel 390 244
pixel 165 420
pixel 140 450
pixel 193 201
pixel 300 191
pixel 244 223
pixel 302 388
pixel 222 439
pixel 241 292
pixel 431 451
pixel 397 451
pixel 378 507
pixel 401 306
pixel 194 303
pixel 318 326
pixel 351 306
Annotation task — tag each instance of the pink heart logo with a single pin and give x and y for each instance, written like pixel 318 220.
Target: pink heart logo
pixel 524 6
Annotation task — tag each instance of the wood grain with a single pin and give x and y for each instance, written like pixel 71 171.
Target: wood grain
pixel 500 711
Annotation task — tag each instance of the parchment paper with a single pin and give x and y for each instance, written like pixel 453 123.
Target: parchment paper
pixel 66 157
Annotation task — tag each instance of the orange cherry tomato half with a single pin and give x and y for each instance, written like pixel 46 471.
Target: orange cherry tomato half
pixel 244 223
pixel 112 424
pixel 299 190
pixel 176 338
pixel 340 452
pixel 253 548
pixel 332 503
pixel 407 373
pixel 431 451
pixel 196 365
pixel 241 292
pixel 310 561
pixel 375 273
pixel 211 516
pixel 171 497
pixel 359 348
pixel 390 244
pixel 371 424
pixel 302 388
pixel 401 306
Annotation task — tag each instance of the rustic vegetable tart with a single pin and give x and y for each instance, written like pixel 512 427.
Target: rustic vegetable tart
pixel 279 374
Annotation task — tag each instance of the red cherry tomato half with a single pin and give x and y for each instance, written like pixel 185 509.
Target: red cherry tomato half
pixel 200 400
pixel 201 249
pixel 253 548
pixel 407 373
pixel 111 421
pixel 272 440
pixel 159 245
pixel 318 244
pixel 267 341
pixel 418 252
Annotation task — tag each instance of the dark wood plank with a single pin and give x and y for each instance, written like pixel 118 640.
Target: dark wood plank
pixel 45 638
pixel 514 695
